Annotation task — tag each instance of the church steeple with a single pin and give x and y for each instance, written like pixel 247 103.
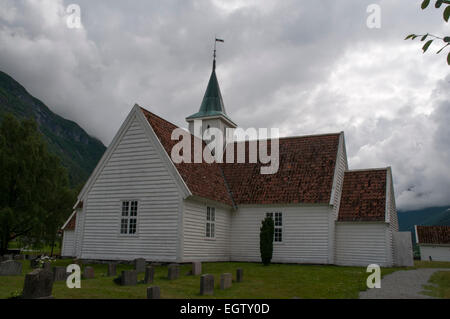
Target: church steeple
pixel 212 108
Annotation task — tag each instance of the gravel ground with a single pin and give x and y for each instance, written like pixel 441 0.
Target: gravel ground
pixel 403 284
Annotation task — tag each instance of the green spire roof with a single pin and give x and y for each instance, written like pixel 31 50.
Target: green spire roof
pixel 212 104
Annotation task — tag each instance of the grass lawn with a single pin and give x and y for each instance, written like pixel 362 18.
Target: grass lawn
pixel 274 281
pixel 440 285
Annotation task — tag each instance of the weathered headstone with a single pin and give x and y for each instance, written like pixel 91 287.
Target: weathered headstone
pixel 225 281
pixel 88 272
pixel 10 268
pixel 173 271
pixel 239 275
pixel 196 268
pixel 112 269
pixel 47 266
pixel 34 263
pixel 38 284
pixel 139 265
pixel 129 278
pixel 19 257
pixel 149 274
pixel 153 292
pixel 59 273
pixel 8 257
pixel 207 285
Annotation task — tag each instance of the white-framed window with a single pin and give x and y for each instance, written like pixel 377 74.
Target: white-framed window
pixel 128 219
pixel 278 223
pixel 210 222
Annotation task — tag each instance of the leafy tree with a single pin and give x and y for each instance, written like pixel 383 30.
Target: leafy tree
pixel 33 185
pixel 266 240
pixel 431 38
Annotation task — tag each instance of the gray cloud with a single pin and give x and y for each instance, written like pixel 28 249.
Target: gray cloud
pixel 304 66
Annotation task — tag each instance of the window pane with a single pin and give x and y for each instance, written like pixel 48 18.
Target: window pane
pixel 132 226
pixel 123 225
pixel 208 234
pixel 212 230
pixel 133 211
pixel 213 214
pixel 278 219
pixel 278 235
pixel 208 213
pixel 125 208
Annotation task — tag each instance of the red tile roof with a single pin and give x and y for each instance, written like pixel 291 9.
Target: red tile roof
pixel 433 234
pixel 305 172
pixel 363 196
pixel 203 179
pixel 71 224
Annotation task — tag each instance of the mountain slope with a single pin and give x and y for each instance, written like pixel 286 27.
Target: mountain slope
pixel 78 151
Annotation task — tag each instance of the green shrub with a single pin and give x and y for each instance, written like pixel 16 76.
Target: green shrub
pixel 266 240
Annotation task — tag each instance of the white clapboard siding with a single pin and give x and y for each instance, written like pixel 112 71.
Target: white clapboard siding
pixel 79 223
pixel 391 213
pixel 134 171
pixel 68 244
pixel 436 252
pixel 338 181
pixel 361 244
pixel 196 246
pixel 305 234
pixel 341 167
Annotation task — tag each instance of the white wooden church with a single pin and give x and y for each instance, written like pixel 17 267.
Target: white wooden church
pixel 138 203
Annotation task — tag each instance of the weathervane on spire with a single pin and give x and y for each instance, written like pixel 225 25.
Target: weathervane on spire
pixel 214 55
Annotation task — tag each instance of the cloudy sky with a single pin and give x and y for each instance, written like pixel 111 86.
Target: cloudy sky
pixel 306 67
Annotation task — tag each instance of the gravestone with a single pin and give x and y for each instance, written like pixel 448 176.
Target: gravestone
pixel 34 263
pixel 139 265
pixel 129 278
pixel 239 275
pixel 59 273
pixel 10 268
pixel 173 271
pixel 196 268
pixel 153 292
pixel 149 274
pixel 207 285
pixel 38 284
pixel 8 257
pixel 225 281
pixel 19 257
pixel 47 266
pixel 88 272
pixel 112 269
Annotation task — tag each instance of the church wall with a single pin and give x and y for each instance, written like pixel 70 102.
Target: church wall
pixel 196 246
pixel 363 243
pixel 305 232
pixel 135 171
